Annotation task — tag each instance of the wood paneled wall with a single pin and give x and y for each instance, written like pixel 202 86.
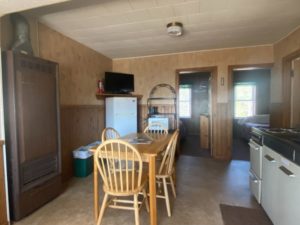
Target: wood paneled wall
pixel 83 124
pixel 82 114
pixel 284 50
pixel 80 125
pixel 79 66
pixel 276 117
pixel 3 214
pixel 222 131
pixel 153 70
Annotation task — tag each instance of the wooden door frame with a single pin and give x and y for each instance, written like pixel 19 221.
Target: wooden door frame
pixel 286 87
pixel 230 89
pixel 213 70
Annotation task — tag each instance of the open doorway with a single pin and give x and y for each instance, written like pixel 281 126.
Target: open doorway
pixel 251 106
pixel 194 107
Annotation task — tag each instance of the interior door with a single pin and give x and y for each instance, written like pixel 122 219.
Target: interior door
pixel 295 93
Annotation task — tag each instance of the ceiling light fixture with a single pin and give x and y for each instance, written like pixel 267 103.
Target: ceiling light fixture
pixel 174 29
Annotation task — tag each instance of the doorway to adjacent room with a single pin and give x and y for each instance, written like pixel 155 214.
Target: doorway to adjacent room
pixel 250 106
pixel 194 110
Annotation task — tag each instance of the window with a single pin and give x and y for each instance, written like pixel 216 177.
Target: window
pixel 244 100
pixel 185 101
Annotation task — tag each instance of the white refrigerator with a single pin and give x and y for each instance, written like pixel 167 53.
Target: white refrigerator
pixel 121 114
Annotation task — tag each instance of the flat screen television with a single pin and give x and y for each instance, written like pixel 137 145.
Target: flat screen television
pixel 120 83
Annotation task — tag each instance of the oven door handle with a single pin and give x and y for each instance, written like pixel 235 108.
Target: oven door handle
pixel 254 146
pixel 287 171
pixel 270 159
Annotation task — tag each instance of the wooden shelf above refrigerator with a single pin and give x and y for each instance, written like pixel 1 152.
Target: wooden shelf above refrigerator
pixel 105 95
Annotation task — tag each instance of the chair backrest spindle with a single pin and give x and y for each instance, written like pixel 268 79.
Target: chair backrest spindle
pixel 109 133
pixel 167 163
pixel 124 176
pixel 156 128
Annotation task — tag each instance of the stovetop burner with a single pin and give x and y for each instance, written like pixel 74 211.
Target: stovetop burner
pixel 294 130
pixel 282 130
pixel 275 130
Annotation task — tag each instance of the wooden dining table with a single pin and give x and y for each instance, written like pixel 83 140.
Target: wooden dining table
pixel 149 153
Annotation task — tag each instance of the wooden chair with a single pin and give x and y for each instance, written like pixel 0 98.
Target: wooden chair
pixel 155 128
pixel 119 182
pixel 109 133
pixel 167 170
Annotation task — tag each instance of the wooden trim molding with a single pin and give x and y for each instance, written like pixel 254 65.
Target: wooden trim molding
pixel 276 115
pixel 106 95
pixel 286 88
pixel 3 211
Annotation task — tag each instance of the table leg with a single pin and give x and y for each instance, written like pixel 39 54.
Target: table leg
pixel 96 191
pixel 152 190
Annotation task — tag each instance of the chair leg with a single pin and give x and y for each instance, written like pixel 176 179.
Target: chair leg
pixel 102 209
pixel 173 186
pixel 136 210
pixel 167 197
pixel 146 199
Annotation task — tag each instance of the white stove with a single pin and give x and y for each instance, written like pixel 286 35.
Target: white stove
pixel 256 152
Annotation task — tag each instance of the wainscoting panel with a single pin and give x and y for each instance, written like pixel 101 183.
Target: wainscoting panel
pixel 276 115
pixel 221 129
pixel 80 125
pixel 222 132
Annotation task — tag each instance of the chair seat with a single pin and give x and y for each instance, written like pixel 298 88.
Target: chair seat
pixel 164 173
pixel 122 185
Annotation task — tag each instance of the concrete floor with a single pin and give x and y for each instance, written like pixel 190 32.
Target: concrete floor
pixel 202 184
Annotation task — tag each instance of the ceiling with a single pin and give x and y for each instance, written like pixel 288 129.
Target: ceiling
pixel 129 28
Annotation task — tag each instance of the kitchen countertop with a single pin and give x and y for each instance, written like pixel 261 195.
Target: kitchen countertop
pixel 286 144
pixel 204 114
